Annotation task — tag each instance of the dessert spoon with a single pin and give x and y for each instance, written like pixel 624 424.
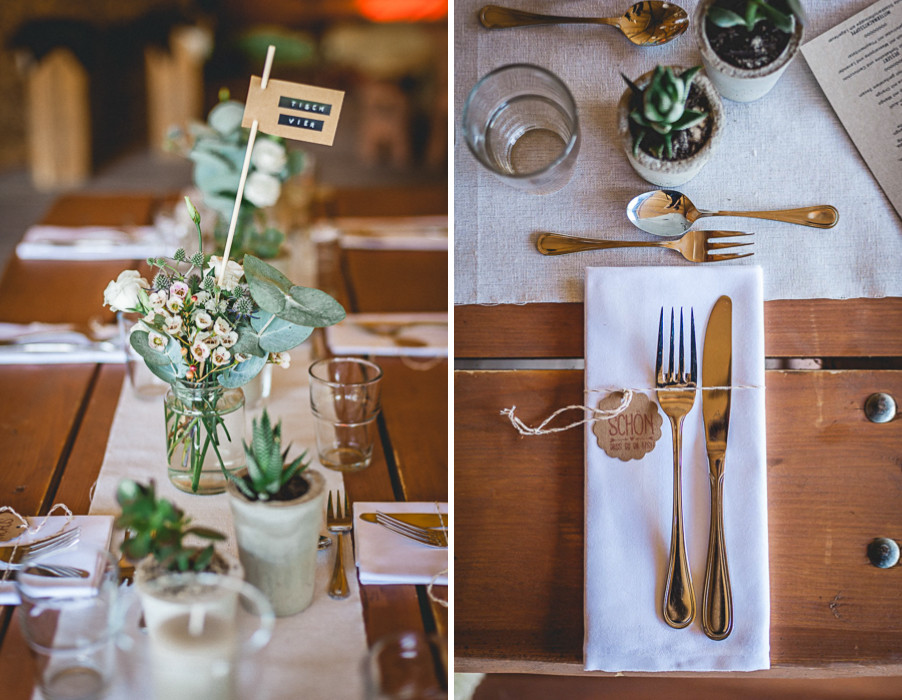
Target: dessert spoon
pixel 671 213
pixel 649 23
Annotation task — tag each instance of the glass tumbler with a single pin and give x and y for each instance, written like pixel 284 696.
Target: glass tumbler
pixel 520 121
pixel 346 397
pixel 71 622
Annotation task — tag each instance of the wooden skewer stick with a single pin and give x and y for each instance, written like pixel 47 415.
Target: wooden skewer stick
pixel 267 67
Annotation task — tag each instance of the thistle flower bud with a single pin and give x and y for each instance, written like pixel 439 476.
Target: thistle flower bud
pixel 161 281
pixel 197 259
pixel 180 255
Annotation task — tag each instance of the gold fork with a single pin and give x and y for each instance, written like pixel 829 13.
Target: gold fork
pixel 338 524
pixel 676 394
pixel 693 245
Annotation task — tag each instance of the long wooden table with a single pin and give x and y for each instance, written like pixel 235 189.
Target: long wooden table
pixel 834 484
pixel 56 419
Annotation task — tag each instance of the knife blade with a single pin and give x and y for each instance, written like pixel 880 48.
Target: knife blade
pixel 717 371
pixel 430 521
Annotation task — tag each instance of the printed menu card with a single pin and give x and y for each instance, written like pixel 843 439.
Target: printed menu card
pixel 859 67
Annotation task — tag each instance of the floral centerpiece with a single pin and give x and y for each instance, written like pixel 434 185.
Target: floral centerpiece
pixel 217 149
pixel 206 332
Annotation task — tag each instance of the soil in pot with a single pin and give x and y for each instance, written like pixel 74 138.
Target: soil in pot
pixel 296 487
pixel 685 143
pixel 742 48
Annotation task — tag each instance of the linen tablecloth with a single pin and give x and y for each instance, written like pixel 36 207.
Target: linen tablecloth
pixel 786 150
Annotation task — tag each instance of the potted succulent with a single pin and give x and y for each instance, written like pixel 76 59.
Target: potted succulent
pixel 277 507
pixel 669 123
pixel 746 45
pixel 155 543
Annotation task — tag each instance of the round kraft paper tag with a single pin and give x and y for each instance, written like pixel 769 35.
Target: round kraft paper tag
pixel 11 526
pixel 633 433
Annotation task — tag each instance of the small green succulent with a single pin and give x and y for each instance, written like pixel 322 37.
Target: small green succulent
pixel 756 11
pixel 660 109
pixel 156 527
pixel 267 467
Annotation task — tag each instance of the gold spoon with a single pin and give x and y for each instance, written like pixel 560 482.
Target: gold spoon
pixel 647 23
pixel 671 213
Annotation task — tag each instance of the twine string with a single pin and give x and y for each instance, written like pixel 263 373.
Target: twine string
pixel 34 529
pixel 597 414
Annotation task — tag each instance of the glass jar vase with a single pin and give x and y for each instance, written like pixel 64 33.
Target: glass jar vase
pixel 204 434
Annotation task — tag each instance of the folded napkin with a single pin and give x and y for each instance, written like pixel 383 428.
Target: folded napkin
pixel 629 504
pixel 388 233
pixel 52 344
pixel 91 243
pixel 384 557
pixel 411 335
pixel 95 530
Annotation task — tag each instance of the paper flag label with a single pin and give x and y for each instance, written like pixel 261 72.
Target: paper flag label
pixel 293 110
pixel 631 434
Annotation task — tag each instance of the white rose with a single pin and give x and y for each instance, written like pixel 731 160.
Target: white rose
pixel 233 272
pixel 269 156
pixel 262 190
pixel 121 294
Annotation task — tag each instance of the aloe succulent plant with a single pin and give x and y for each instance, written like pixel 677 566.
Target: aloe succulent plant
pixel 156 527
pixel 267 467
pixel 659 109
pixel 755 11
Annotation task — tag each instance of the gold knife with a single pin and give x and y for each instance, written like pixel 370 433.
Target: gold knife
pixel 430 521
pixel 717 601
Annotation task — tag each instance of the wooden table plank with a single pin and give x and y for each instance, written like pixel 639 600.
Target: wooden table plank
pixel 396 280
pixel 415 409
pixel 41 412
pixel 792 328
pixel 834 483
pixel 101 209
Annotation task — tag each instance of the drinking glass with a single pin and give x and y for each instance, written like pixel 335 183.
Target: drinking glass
pixel 346 397
pixel 520 121
pixel 71 623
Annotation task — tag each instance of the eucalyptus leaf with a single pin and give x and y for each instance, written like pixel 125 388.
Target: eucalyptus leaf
pixel 275 293
pixel 277 335
pixel 242 373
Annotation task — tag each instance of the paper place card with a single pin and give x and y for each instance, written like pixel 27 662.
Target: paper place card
pixel 293 110
pixel 859 67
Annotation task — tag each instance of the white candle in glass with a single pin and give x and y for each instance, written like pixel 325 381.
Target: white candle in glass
pixel 192 656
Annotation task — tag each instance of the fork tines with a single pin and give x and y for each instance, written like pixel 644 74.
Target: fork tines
pixel 673 378
pixel 712 235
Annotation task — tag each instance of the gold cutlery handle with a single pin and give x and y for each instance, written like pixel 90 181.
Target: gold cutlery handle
pixel 338 585
pixel 821 216
pixel 495 17
pixel 559 244
pixel 679 598
pixel 717 604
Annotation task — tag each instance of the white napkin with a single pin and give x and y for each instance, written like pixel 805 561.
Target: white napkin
pixel 384 557
pixel 57 343
pixel 386 233
pixel 629 504
pixel 91 243
pixel 95 530
pixel 386 335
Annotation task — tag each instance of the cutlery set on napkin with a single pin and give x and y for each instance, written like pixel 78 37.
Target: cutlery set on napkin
pixel 92 243
pixel 705 501
pixel 73 572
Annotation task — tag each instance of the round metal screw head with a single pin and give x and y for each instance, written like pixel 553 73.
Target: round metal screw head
pixel 883 552
pixel 880 408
